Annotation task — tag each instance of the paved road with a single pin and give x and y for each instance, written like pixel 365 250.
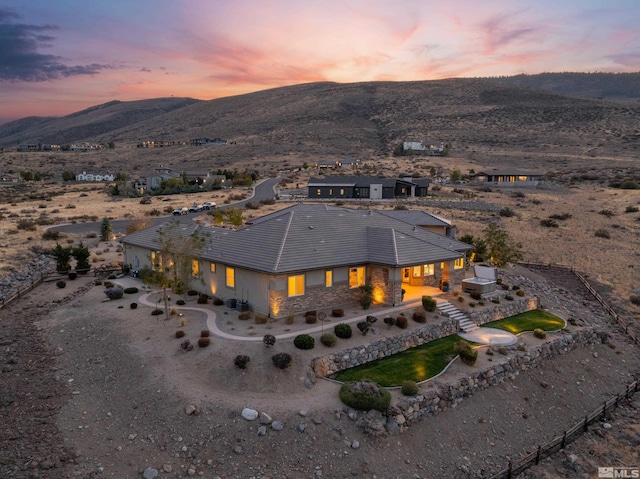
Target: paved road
pixel 262 191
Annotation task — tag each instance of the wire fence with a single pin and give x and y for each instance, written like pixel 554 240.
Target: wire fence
pixel 570 435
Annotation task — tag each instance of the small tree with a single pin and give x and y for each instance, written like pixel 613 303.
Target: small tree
pixel 269 340
pixel 366 295
pixel 81 254
pixel 501 247
pixel 62 256
pixel 68 175
pixel 106 231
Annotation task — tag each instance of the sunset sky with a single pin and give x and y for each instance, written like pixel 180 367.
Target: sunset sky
pixel 60 56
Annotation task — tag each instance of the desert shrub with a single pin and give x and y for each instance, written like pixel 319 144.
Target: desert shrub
pixel 602 233
pixel 252 205
pixel 203 299
pixel 402 322
pixel 635 299
pixel 145 200
pixel 204 342
pixel 508 297
pixel 364 327
pixel 131 290
pixel 365 395
pixel 244 315
pixel 241 361
pixel 205 333
pixel 429 304
pixel 561 216
pixel 156 312
pixel 389 321
pixel 72 275
pixel 192 292
pixel 502 350
pixel 304 341
pixel 607 213
pixel 629 185
pixel 419 317
pixel 218 302
pixel 506 212
pixel 173 311
pixel 179 333
pixel 495 301
pixel 539 333
pixel 481 303
pixel 489 352
pixel 548 223
pixel 409 388
pixel 461 299
pixel 97 282
pixel 311 319
pixel 467 354
pixel 628 209
pixel 472 304
pixel 180 302
pixel 53 235
pixel 261 318
pixel 133 305
pixel 26 225
pixel 328 339
pixel 520 292
pixel 111 276
pixel 61 284
pixel 343 331
pixel 476 295
pixel 269 340
pixel 114 293
pixel 268 201
pixel 281 360
pixel 337 312
pixel 313 312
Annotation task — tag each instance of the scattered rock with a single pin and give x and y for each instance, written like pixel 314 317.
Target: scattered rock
pixel 150 473
pixel 249 414
pixel 277 426
pixel 265 418
pixel 262 431
pixel 190 409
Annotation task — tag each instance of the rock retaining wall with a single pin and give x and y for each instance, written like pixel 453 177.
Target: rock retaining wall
pixel 348 358
pixel 503 310
pixel 444 396
pixel 18 280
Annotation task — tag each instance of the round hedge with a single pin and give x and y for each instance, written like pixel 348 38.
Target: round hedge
pixel 328 339
pixel 343 331
pixel 304 341
pixel 131 290
pixel 409 388
pixel 365 395
pixel 156 312
pixel 61 284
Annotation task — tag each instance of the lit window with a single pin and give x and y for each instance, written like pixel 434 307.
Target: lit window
pixel 231 277
pixel 428 269
pixel 156 261
pixel 416 271
pixel 328 278
pixel 318 192
pixel 458 264
pixel 341 191
pixel 296 285
pixel 356 277
pixel 212 267
pixel 195 268
pixel 330 191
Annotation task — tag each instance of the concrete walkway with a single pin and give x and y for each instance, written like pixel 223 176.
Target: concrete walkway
pixel 490 336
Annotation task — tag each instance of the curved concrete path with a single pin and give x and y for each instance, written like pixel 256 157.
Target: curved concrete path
pixel 489 336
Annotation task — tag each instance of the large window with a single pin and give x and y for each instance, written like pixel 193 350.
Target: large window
pixel 296 285
pixel 356 277
pixel 195 268
pixel 156 261
pixel 428 270
pixel 212 267
pixel 231 277
pixel 458 264
pixel 328 278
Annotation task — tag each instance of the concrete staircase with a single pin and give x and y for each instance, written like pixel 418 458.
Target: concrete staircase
pixel 448 309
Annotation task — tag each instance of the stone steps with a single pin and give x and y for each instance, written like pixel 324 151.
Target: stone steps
pixel 448 309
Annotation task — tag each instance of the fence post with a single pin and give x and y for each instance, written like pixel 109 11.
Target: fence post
pixel 538 456
pixel 604 410
pixel 564 440
pixel 509 470
pixel 586 424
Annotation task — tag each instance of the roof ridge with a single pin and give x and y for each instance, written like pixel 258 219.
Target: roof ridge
pixel 395 246
pixel 284 240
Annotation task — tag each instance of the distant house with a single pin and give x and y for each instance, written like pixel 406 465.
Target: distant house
pixel 366 187
pixel 9 178
pixel 84 146
pixel 159 143
pixel 84 176
pixel 153 179
pixel 314 256
pixel 207 141
pixel 509 177
pixel 424 148
pixel 339 164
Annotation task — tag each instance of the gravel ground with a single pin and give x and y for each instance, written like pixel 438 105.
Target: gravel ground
pixel 90 390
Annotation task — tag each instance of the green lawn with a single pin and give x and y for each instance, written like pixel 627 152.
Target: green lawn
pixel 528 322
pixel 415 364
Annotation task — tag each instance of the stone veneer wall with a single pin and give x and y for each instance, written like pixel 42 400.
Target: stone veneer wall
pixel 444 396
pixel 326 365
pixel 17 280
pixel 503 310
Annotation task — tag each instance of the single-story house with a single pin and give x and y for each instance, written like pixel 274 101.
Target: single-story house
pixel 313 256
pixel 9 178
pixel 420 147
pixel 207 141
pixel 509 177
pixel 152 180
pixel 84 176
pixel 369 187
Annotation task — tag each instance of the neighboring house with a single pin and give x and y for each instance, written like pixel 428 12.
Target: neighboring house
pixel 9 178
pixel 420 147
pixel 160 143
pixel 366 187
pixel 207 141
pixel 84 176
pixel 509 177
pixel 314 256
pixel 84 146
pixel 339 164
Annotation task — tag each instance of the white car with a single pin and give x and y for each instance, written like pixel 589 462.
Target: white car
pixel 183 210
pixel 195 208
pixel 209 205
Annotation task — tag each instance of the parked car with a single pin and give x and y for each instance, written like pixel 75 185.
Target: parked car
pixel 183 210
pixel 195 208
pixel 209 205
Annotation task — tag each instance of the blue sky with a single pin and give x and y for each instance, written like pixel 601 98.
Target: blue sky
pixel 57 57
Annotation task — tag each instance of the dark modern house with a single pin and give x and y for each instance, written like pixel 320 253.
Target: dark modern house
pixel 367 187
pixel 509 177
